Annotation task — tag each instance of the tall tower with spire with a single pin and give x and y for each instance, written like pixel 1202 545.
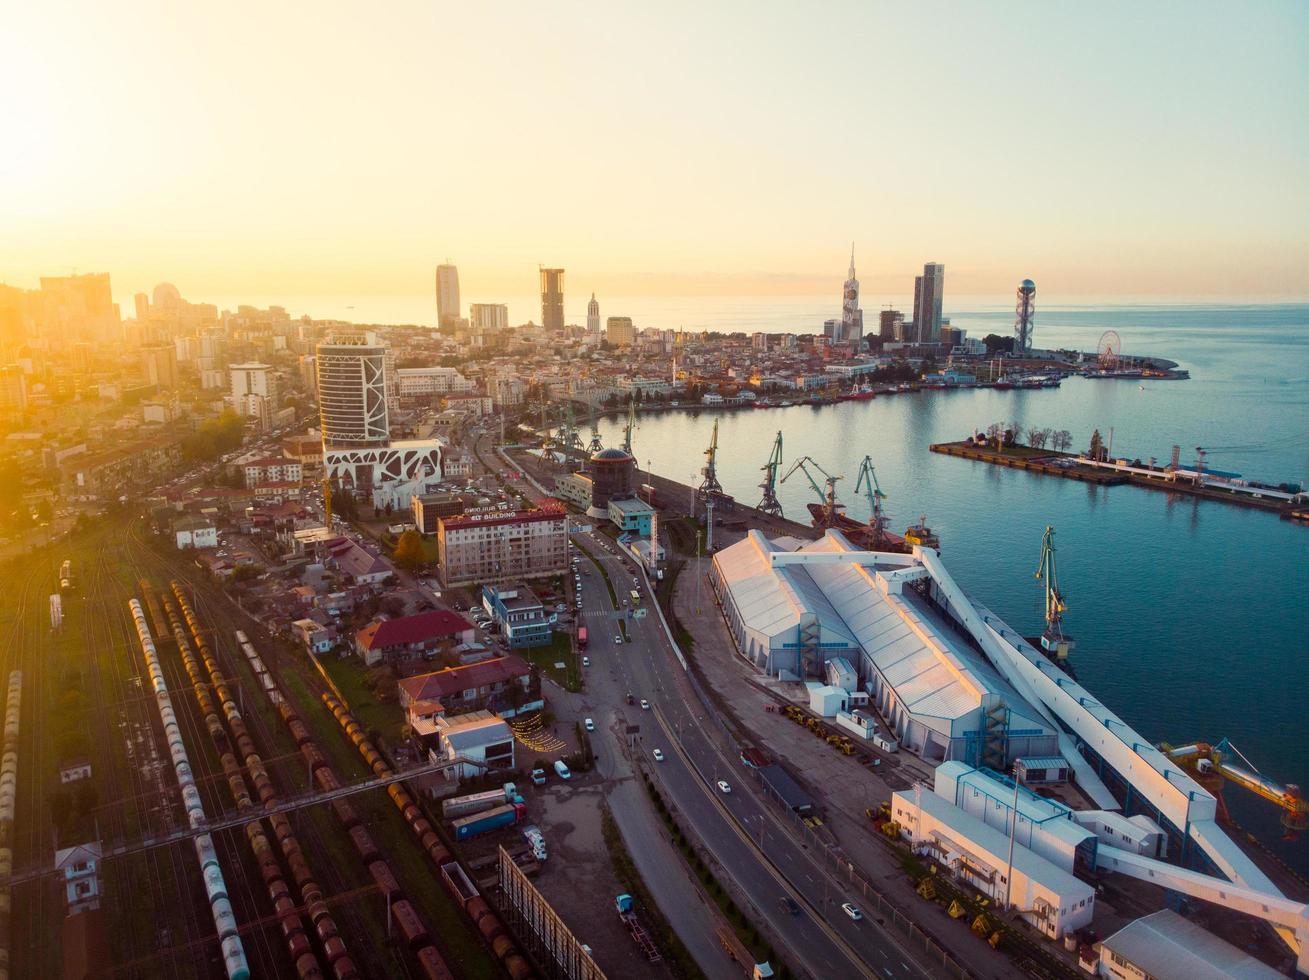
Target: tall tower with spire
pixel 852 317
pixel 593 319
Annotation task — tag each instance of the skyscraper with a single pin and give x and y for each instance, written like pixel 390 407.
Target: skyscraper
pixel 593 318
pixel 928 291
pixel 890 325
pixel 352 391
pixel 620 332
pixel 447 294
pixel 254 390
pixel 488 317
pixel 159 365
pixel 552 299
pixel 852 317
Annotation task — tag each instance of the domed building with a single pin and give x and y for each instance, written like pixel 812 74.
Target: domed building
pixel 166 296
pixel 613 477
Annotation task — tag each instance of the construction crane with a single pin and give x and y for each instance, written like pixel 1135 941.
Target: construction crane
pixel 596 445
pixel 867 483
pixel 547 440
pixel 827 514
pixel 1207 760
pixel 710 485
pixel 572 440
pixel 1053 640
pixel 630 427
pixel 769 504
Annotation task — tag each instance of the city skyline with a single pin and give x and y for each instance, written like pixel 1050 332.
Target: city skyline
pixel 1160 170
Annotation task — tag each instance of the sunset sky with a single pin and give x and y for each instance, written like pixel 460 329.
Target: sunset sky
pixel 1107 150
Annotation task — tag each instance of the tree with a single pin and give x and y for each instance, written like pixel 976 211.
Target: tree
pixel 1036 437
pixel 995 344
pixel 1064 440
pixel 1098 451
pixel 409 550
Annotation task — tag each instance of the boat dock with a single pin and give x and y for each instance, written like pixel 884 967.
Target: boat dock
pixel 1112 473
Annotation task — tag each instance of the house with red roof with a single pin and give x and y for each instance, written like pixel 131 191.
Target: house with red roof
pixel 425 635
pixel 503 685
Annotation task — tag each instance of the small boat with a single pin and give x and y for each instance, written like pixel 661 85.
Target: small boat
pixel 922 535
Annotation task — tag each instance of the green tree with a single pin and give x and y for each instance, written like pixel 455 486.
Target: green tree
pixel 409 550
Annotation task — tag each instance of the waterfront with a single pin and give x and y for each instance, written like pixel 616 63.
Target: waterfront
pixel 1191 616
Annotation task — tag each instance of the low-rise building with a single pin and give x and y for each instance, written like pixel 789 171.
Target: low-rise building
pixel 79 867
pixel 271 469
pixel 574 488
pixel 518 614
pixel 360 562
pixel 425 635
pixel 632 515
pixel 315 637
pixel 504 685
pixel 195 532
pixel 494 544
pixel 1050 898
pixel 1166 946
pixel 480 737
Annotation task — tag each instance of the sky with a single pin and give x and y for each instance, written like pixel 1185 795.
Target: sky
pixel 1110 151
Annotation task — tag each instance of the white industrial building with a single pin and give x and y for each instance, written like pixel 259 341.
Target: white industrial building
pixel 1049 897
pixel 1165 946
pixel 792 607
pixel 480 737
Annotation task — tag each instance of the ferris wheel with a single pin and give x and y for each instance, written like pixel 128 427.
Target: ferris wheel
pixel 1110 350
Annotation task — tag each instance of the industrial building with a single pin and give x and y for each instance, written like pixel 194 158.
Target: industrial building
pixel 1049 897
pixel 793 606
pixel 1165 946
pixel 632 515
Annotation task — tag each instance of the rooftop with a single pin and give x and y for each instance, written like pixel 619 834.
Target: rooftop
pixel 412 629
pixel 1169 947
pixel 453 680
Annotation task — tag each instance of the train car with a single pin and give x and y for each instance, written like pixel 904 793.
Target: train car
pixel 409 924
pixel 66 576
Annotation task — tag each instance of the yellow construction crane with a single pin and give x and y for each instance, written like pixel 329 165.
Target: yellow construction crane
pixel 1209 760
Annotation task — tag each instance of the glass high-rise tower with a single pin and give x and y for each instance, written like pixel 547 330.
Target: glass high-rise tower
pixel 552 299
pixel 448 308
pixel 929 288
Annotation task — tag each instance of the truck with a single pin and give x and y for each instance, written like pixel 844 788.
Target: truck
pixel 462 806
pixel 581 637
pixel 626 907
pixel 481 823
pixel 562 769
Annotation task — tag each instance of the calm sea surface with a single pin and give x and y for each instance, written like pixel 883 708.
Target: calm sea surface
pixel 1192 618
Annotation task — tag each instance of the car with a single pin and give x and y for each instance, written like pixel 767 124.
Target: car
pixel 645 705
pixel 589 725
pixel 586 661
pixel 788 905
pixel 618 639
pixel 658 755
pixel 852 910
pixel 724 786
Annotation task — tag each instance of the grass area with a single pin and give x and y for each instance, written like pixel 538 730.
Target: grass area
pixel 664 596
pixel 679 959
pixel 560 650
pixel 622 628
pixel 613 596
pixel 360 685
pixel 745 930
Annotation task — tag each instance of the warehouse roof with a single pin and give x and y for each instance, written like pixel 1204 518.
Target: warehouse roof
pixel 1169 947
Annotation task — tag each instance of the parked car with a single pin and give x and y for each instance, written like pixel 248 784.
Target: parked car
pixel 538 777
pixel 724 786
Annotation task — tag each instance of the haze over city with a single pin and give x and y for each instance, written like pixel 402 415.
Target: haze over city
pixel 1115 153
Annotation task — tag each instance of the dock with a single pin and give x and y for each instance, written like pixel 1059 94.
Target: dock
pixel 1072 467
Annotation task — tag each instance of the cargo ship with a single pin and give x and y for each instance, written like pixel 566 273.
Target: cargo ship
pixel 875 538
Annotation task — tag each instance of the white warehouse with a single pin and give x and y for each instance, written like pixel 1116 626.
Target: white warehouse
pixel 793 606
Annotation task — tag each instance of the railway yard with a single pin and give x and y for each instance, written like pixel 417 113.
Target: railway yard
pixel 350 887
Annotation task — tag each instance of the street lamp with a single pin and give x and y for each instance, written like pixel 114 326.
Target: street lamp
pixel 1013 831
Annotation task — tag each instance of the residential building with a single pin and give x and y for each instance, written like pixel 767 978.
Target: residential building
pixel 448 308
pixel 79 867
pixel 359 561
pixel 13 389
pixel 1166 946
pixel 254 391
pixel 422 636
pixel 593 319
pixel 314 636
pixel 1048 897
pixel 495 545
pixel 430 507
pixel 890 325
pixel 430 382
pixel 491 318
pixel 619 331
pixel 552 299
pixel 929 289
pixel 271 469
pixel 502 684
pixel 518 614
pixel 508 392
pixel 114 471
pixel 159 365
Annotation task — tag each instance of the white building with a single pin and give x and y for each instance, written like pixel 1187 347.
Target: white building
pixel 1165 946
pixel 253 391
pixel 352 392
pixel 271 469
pixel 1050 898
pixel 480 737
pixel 508 392
pixel 194 532
pixel 488 317
pixel 80 868
pixel 593 319
pixel 447 294
pixel 430 381
pixel 389 474
pixel 792 606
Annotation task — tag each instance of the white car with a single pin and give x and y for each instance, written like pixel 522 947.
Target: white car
pixel 645 705
pixel 852 911
pixel 589 725
pixel 724 786
pixel 586 661
pixel 658 755
pixel 618 639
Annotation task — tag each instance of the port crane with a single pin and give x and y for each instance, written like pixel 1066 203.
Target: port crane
pixel 831 507
pixel 596 445
pixel 1210 760
pixel 630 427
pixel 769 504
pixel 1053 640
pixel 867 483
pixel 710 485
pixel 569 436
